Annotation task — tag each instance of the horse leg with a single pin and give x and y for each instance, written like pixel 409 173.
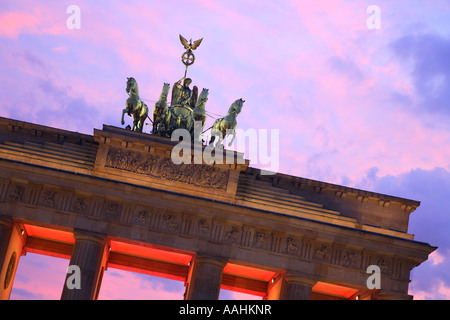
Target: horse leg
pixel 232 139
pixel 219 141
pixel 214 132
pixel 123 113
pixel 140 117
pixel 142 121
pixel 156 120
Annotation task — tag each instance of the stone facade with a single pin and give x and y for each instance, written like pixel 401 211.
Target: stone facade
pixel 121 186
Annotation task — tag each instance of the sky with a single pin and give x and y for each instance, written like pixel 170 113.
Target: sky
pixel 360 98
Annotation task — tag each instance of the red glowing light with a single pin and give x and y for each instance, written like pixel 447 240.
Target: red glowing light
pixel 50 234
pixel 248 272
pixel 151 253
pixel 334 289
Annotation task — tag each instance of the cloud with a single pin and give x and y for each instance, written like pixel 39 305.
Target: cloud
pixel 436 258
pixel 15 23
pixel 39 277
pixel 426 58
pixel 119 284
pixel 345 67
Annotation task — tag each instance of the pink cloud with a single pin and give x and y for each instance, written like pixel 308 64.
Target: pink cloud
pixel 14 23
pixel 438 292
pixel 39 277
pixel 436 258
pixel 119 284
pixel 48 20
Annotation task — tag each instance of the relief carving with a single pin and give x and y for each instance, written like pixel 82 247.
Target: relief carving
pixel 142 217
pixel 80 204
pixel 261 240
pixel 383 264
pixel 233 235
pixel 17 192
pixel 291 246
pixel 49 198
pixel 111 210
pixel 163 168
pixel 349 259
pixel 169 222
pixel 321 253
pixel 203 226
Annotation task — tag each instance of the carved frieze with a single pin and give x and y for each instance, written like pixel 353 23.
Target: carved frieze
pixel 233 234
pixel 203 227
pixel 350 259
pixel 159 167
pixel 48 198
pixel 170 222
pixel 80 204
pixel 111 210
pixel 16 192
pixel 322 252
pixel 207 227
pixel 142 216
pixel 384 263
pixel 262 240
pixel 292 246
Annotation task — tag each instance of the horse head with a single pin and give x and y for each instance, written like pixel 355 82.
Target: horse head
pixel 131 85
pixel 165 91
pixel 203 97
pixel 237 106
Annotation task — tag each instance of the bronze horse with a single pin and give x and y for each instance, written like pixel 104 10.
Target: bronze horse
pixel 161 114
pixel 134 106
pixel 227 124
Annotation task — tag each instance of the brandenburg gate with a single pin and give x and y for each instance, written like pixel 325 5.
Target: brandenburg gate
pixel 115 199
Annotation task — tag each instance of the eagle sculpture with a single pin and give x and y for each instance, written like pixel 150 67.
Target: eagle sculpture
pixel 190 46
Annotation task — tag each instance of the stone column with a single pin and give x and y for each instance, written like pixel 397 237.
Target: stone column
pixel 298 288
pixel 11 248
pixel 291 287
pixel 205 278
pixel 89 256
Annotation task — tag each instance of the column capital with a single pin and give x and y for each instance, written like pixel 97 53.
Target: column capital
pixel 81 235
pixel 303 280
pixel 297 287
pixel 210 260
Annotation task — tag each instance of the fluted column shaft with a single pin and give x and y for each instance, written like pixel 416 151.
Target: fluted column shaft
pixel 291 287
pixel 88 255
pixel 11 247
pixel 204 279
pixel 298 288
